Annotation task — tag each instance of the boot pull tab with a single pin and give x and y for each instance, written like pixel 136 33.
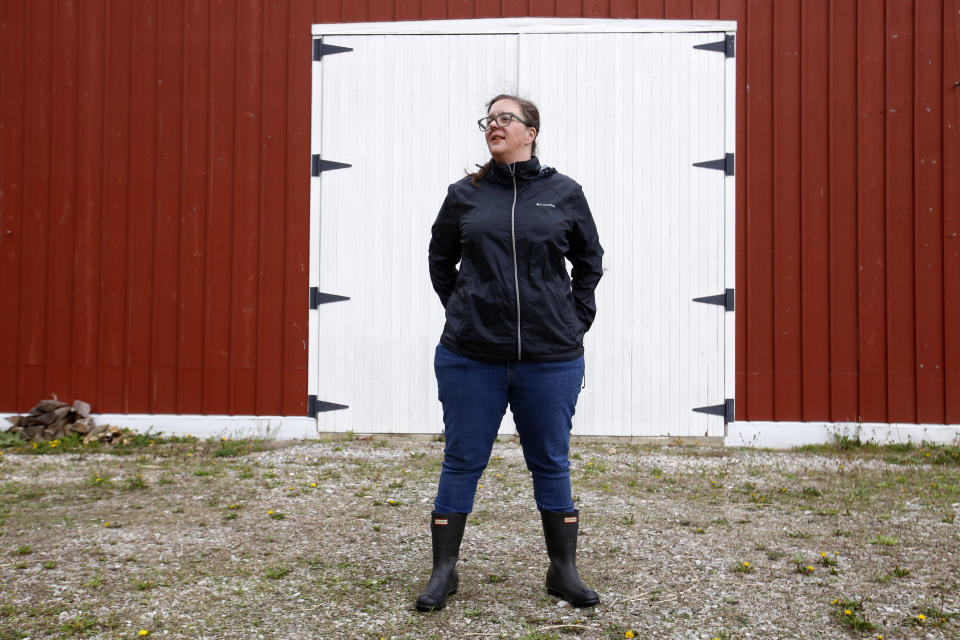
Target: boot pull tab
pixel 441 521
pixel 570 520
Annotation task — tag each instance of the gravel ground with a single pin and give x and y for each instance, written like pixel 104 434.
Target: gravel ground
pixel 330 539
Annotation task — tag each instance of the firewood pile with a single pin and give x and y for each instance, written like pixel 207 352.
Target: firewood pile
pixel 52 419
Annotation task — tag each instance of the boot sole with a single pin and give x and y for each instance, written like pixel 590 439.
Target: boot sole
pixel 436 607
pixel 579 605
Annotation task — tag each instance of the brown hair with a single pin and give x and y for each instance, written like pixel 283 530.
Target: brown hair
pixel 530 114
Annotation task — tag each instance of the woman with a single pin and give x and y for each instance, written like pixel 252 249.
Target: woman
pixel 513 335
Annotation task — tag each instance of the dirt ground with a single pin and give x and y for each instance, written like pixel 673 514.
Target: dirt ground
pixel 330 539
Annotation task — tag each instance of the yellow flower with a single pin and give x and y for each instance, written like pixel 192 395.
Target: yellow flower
pixel 823 554
pixel 879 636
pixel 313 484
pixel 107 523
pixel 628 634
pixel 746 565
pixel 836 600
pixel 143 632
pixel 921 617
pixel 847 612
pixel 809 567
pixel 54 443
pixel 270 512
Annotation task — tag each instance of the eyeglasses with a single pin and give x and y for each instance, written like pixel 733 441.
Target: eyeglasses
pixel 503 121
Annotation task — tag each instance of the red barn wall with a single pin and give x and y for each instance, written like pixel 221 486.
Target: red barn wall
pixel 154 195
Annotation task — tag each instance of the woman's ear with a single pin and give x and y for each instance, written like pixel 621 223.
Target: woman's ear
pixel 531 134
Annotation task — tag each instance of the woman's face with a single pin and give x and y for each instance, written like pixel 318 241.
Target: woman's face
pixel 513 143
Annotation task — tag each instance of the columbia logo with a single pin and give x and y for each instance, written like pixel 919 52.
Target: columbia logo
pixel 546 204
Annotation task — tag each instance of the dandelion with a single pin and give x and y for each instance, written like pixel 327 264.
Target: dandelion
pixel 54 443
pixel 823 554
pixel 847 612
pixel 313 484
pixel 809 567
pixel 107 523
pixel 921 617
pixel 835 601
pixel 879 636
pixel 143 632
pixel 270 512
pixel 746 565
pixel 629 633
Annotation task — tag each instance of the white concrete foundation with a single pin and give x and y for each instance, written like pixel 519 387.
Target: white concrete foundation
pixel 784 435
pixel 270 427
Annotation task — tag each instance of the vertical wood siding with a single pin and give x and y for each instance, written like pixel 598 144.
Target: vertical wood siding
pixel 154 191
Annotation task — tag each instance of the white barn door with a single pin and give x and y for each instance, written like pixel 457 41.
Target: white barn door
pixel 625 114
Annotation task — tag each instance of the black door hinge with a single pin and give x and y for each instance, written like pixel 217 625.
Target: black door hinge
pixel 317 166
pixel 727 46
pixel 725 300
pixel 315 406
pixel 725 164
pixel 725 410
pixel 320 49
pixel 317 298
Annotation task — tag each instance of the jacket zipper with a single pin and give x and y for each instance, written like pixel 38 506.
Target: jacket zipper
pixel 513 239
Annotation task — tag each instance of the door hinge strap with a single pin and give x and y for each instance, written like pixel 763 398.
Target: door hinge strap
pixel 725 164
pixel 315 406
pixel 317 166
pixel 317 298
pixel 320 49
pixel 725 410
pixel 725 300
pixel 727 46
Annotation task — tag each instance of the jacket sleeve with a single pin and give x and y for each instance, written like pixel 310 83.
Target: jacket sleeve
pixel 444 252
pixel 586 255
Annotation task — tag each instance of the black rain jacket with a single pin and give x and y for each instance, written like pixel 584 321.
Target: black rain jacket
pixel 511 298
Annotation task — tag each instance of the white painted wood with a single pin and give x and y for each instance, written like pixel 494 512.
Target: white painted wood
pixel 730 228
pixel 313 329
pixel 625 114
pixel 402 110
pixel 784 435
pixel 523 25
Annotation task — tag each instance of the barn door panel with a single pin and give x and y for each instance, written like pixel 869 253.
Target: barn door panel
pixel 401 111
pixel 628 115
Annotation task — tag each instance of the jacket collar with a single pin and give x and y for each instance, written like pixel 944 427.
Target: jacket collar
pixel 524 170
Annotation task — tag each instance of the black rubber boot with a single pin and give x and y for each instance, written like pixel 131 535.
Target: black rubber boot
pixel 560 532
pixel 446 529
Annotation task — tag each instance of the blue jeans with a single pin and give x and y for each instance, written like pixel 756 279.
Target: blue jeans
pixel 474 395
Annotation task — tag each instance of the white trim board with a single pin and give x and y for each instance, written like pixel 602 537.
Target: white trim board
pixel 270 427
pixel 784 435
pixel 522 25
